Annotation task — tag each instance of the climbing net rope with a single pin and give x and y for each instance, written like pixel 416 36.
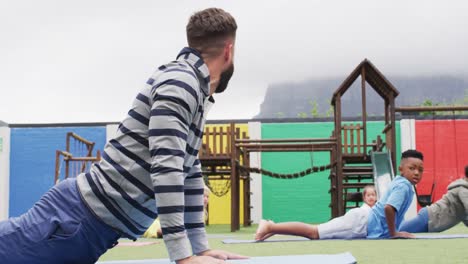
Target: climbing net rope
pixel 295 175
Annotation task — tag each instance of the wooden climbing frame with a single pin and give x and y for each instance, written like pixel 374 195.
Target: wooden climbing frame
pixel 245 146
pixel 75 163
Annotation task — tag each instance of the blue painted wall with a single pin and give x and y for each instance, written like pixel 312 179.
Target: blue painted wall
pixel 32 161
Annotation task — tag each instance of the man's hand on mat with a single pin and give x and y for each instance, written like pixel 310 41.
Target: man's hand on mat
pixel 403 235
pixel 221 254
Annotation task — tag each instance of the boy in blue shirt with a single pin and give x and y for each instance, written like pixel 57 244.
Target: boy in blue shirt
pixel 381 221
pixel 388 213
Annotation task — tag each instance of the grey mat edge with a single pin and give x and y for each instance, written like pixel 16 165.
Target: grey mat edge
pixel 339 258
pixel 301 239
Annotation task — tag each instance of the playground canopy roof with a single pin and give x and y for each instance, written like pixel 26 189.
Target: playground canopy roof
pixel 373 76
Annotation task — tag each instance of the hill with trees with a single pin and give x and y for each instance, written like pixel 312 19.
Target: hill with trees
pixel 311 98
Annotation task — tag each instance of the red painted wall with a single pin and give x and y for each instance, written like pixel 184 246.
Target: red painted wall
pixel 444 144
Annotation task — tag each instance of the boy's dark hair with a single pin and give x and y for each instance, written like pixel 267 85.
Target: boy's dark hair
pixel 466 171
pixel 207 30
pixel 412 153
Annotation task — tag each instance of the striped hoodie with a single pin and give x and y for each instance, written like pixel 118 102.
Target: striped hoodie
pixel 150 168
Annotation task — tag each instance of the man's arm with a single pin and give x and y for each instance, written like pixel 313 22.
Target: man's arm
pixel 195 221
pixel 171 116
pixel 195 215
pixel 174 102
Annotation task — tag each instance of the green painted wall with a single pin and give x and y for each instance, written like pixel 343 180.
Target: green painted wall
pixel 304 199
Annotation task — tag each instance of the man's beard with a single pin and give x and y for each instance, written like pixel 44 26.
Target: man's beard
pixel 224 79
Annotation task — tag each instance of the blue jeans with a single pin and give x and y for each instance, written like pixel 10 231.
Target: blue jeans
pixel 419 224
pixel 59 228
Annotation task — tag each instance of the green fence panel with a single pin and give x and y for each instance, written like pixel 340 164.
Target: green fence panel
pixel 303 199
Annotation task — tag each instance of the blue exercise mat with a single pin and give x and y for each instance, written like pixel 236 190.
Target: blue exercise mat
pixel 246 241
pixel 441 236
pixel 342 258
pixel 293 239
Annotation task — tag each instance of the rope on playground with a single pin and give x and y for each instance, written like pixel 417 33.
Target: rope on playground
pixel 286 175
pixel 216 188
pixel 221 189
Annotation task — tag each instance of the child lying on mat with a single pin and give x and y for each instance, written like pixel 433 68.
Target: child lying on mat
pixel 447 212
pixel 381 221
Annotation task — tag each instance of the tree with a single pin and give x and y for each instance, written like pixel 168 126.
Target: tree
pixel 461 101
pixel 428 102
pixel 330 111
pixel 280 115
pixel 314 111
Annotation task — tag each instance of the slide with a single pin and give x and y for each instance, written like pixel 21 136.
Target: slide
pixel 383 171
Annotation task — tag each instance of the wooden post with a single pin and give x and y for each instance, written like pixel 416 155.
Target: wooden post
pixel 57 166
pixel 393 131
pixel 364 110
pixel 67 161
pixel 234 183
pixel 215 139
pixel 333 184
pixel 223 151
pixel 247 204
pixel 358 137
pixel 339 160
pixel 345 139
pixel 67 168
pixel 387 109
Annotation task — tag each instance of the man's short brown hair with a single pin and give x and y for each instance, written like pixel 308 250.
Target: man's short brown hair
pixel 207 30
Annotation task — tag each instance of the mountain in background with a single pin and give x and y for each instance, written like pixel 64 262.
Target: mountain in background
pixel 311 98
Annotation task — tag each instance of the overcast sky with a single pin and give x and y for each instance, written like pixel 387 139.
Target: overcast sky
pixel 84 61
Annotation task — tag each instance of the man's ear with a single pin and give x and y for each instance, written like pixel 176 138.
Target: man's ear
pixel 228 51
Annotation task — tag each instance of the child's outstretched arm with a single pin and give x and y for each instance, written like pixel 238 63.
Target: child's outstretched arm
pixel 390 217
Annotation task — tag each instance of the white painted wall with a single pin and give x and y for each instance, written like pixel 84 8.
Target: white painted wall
pixel 255 132
pixel 4 171
pixel 111 130
pixel 408 141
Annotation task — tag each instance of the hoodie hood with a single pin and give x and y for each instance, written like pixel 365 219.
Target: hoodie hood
pixel 458 183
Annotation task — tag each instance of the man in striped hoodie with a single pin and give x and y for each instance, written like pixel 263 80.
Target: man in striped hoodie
pixel 149 169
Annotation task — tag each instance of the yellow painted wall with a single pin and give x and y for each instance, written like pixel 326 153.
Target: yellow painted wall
pixel 220 207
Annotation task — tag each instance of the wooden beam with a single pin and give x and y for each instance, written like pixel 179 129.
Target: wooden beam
pixel 364 109
pixel 431 108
